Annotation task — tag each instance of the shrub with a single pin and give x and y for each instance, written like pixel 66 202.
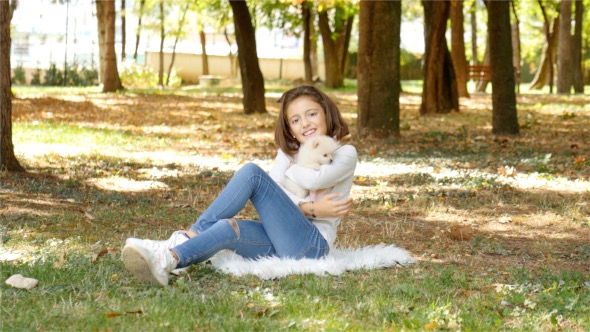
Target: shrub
pixel 19 75
pixel 138 76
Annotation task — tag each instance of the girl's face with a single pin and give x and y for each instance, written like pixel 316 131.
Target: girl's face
pixel 306 119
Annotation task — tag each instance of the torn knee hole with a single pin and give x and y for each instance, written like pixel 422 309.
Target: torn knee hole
pixel 234 224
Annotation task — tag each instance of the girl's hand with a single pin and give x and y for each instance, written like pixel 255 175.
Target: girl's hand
pixel 327 206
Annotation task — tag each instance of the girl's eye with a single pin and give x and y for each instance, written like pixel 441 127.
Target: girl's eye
pixel 294 121
pixel 312 114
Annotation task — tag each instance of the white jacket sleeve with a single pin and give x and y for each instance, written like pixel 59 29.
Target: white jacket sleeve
pixel 277 173
pixel 341 168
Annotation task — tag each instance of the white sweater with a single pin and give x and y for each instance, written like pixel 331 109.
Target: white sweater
pixel 336 177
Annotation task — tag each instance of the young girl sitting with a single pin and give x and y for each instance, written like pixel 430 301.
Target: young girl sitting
pixel 289 226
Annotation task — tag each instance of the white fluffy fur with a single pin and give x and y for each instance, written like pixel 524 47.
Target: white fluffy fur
pixel 313 153
pixel 337 262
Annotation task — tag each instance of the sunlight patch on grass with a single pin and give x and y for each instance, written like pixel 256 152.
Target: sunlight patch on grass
pixel 119 184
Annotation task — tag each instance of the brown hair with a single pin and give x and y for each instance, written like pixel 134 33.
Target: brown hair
pixel 335 124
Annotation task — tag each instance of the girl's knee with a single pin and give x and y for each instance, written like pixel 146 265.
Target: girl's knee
pixel 251 168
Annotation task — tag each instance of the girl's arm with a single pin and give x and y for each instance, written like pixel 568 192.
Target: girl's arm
pixel 342 167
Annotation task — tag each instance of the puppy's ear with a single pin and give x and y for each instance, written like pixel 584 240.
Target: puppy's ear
pixel 315 144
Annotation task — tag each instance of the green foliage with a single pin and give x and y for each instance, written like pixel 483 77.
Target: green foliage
pixel 138 76
pixel 19 75
pixel 53 76
pixel 36 80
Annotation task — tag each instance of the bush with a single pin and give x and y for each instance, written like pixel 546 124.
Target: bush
pixel 53 76
pixel 138 76
pixel 19 75
pixel 36 80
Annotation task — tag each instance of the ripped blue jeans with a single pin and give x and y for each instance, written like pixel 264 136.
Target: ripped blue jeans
pixel 283 230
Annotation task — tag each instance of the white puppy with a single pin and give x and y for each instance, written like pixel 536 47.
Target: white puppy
pixel 313 153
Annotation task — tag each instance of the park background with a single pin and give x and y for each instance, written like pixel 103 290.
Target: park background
pixel 499 224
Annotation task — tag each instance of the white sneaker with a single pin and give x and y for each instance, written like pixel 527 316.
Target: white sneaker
pixel 152 264
pixel 177 238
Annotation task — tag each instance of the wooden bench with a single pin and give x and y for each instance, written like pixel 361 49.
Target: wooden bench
pixel 479 73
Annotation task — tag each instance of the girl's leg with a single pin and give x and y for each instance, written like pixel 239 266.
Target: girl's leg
pixel 282 225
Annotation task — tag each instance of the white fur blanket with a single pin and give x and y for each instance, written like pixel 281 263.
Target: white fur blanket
pixel 337 262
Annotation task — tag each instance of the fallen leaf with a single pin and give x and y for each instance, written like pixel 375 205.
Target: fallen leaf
pixel 19 281
pixel 461 233
pixel 103 251
pixel 505 219
pixel 430 326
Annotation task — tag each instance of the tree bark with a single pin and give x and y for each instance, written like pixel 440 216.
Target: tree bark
pixel 251 75
pixel 544 74
pixel 439 91
pixel 307 41
pixel 230 54
pixel 564 64
pixel 458 47
pixel 123 30
pixel 379 67
pixel 138 31
pixel 111 81
pixel 504 114
pixel 516 58
pixel 8 161
pixel 336 44
pixel 577 68
pixel 204 57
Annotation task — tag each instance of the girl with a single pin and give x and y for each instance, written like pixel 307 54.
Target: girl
pixel 289 226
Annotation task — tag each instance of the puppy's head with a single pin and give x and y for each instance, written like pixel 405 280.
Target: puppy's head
pixel 323 148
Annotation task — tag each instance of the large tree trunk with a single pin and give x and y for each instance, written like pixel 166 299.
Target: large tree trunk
pixel 439 91
pixel 458 47
pixel 564 64
pixel 335 43
pixel 123 30
pixel 305 7
pixel 251 75
pixel 544 74
pixel 138 30
pixel 204 56
pixel 379 67
pixel 8 161
pixel 577 68
pixel 105 10
pixel 178 33
pixel 504 117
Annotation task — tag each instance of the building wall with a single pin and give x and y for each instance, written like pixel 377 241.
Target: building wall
pixel 189 66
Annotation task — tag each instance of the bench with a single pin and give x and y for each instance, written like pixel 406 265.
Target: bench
pixel 208 81
pixel 479 73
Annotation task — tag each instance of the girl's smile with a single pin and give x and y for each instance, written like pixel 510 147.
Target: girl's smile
pixel 306 119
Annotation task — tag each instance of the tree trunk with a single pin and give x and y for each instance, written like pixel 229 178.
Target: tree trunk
pixel 474 60
pixel 379 67
pixel 204 57
pixel 439 91
pixel 577 68
pixel 335 46
pixel 504 117
pixel 251 75
pixel 162 38
pixel 138 31
pixel 458 47
pixel 123 30
pixel 110 78
pixel 544 74
pixel 232 72
pixel 564 64
pixel 515 29
pixel 179 32
pixel 101 30
pixel 8 161
pixel 307 41
pixel 482 85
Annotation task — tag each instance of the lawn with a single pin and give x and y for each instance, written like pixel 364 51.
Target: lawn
pixel 500 226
